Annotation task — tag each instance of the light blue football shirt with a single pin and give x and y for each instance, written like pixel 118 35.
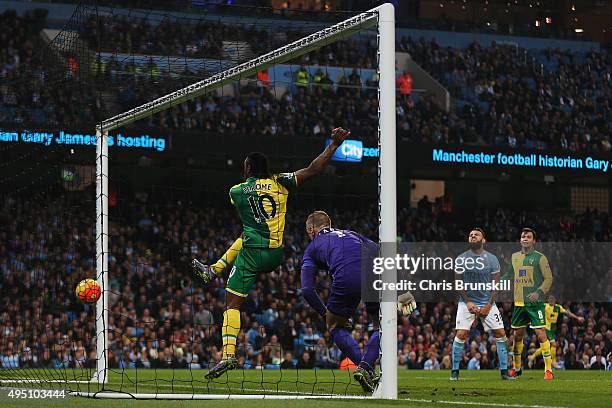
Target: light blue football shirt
pixel 478 271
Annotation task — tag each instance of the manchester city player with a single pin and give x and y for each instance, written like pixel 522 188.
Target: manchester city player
pixel 340 253
pixel 483 267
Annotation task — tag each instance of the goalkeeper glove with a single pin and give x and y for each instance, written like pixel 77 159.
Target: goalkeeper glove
pixel 406 304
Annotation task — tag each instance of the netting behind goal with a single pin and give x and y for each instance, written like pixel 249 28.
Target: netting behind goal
pixel 178 101
pixel 47 207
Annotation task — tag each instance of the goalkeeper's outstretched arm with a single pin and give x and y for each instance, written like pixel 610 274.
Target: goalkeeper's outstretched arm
pixel 309 291
pixel 320 162
pixel 308 279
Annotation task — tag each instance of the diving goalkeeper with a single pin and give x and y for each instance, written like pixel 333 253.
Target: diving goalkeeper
pixel 261 202
pixel 341 253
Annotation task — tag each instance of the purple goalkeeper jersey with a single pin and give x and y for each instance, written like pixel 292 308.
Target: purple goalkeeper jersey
pixel 340 252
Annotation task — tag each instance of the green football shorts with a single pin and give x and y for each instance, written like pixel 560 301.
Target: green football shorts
pixel 551 335
pixel 249 263
pixel 532 315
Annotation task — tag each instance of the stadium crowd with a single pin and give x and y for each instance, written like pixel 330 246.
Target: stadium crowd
pixel 505 96
pixel 30 75
pixel 215 39
pixel 524 98
pixel 160 318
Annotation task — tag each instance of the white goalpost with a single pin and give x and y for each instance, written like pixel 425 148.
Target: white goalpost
pixel 382 17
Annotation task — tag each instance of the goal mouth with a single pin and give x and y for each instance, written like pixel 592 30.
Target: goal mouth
pixel 129 340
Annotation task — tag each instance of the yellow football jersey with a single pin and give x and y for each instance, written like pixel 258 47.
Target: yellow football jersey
pixel 552 315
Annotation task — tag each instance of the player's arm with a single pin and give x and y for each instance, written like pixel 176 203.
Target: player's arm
pixel 569 314
pixel 308 278
pixel 547 282
pixel 495 278
pixel 471 306
pixel 320 162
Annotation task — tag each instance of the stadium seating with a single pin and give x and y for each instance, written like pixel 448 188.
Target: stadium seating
pixel 562 105
pixel 153 325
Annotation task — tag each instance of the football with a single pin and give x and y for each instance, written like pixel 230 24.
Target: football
pixel 88 291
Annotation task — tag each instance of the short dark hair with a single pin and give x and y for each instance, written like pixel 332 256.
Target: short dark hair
pixel 479 230
pixel 259 165
pixel 529 230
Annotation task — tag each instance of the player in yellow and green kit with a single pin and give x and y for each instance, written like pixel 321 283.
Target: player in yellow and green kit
pixel 261 202
pixel 532 280
pixel 552 312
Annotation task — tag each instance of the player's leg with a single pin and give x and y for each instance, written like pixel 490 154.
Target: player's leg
pixel 551 338
pixel 494 322
pixel 520 320
pixel 533 357
pixel 228 257
pixel 336 320
pixel 241 279
pixel 229 333
pixel 501 343
pixel 463 323
pixel 343 299
pixel 546 355
pixel 231 324
pixel 207 273
pixel 517 352
pixel 248 264
pixel 537 315
pixel 553 350
pixel 551 335
pixel 365 373
pixel 372 349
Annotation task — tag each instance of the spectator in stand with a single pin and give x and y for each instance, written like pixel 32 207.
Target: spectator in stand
pixel 432 362
pixel 305 362
pixel 154 296
pixel 474 363
pixel 404 84
pixel 598 361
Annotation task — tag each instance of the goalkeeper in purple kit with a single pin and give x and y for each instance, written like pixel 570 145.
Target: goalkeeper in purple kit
pixel 340 252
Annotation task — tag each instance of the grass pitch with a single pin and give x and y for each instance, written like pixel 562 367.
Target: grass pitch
pixel 416 389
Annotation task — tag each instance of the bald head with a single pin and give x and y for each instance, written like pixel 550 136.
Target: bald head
pixel 316 222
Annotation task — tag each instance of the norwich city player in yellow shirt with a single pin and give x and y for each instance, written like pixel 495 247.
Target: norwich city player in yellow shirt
pixel 261 202
pixel 553 310
pixel 532 280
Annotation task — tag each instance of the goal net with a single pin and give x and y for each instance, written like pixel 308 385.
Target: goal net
pixel 172 103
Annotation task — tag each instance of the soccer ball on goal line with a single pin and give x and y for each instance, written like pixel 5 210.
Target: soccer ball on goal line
pixel 88 291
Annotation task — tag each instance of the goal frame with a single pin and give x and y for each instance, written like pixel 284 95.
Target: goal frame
pixel 383 17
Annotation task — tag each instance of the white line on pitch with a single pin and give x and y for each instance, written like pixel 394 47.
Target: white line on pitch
pixel 485 404
pixel 463 379
pixel 203 387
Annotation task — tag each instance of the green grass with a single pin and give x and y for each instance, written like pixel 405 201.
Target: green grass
pixel 419 388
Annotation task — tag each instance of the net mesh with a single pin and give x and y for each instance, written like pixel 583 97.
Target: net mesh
pixel 48 209
pixel 169 175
